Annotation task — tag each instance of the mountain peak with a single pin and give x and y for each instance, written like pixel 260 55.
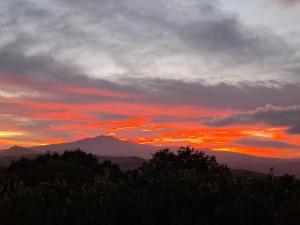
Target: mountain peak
pixel 105 137
pixel 101 138
pixel 103 145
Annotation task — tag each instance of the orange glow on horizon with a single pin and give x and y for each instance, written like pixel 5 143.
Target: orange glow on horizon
pixel 47 119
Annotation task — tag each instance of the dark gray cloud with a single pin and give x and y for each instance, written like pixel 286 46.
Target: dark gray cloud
pixel 288 117
pixel 15 61
pixel 264 143
pixel 222 95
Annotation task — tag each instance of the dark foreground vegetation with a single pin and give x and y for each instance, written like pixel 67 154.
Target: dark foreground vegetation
pixel 184 188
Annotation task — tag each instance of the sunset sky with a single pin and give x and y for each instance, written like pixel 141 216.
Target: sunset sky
pixel 215 74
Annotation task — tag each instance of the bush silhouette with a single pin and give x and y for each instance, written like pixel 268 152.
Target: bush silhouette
pixel 187 187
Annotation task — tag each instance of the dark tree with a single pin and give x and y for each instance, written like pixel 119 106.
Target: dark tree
pixel 186 187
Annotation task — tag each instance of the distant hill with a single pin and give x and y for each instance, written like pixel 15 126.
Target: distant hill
pixel 247 173
pixel 131 155
pixel 17 151
pixel 258 164
pixel 125 163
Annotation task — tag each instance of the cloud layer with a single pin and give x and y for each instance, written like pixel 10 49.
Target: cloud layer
pixel 146 71
pixel 288 117
pixel 138 38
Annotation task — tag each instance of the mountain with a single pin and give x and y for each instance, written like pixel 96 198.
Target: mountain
pixel 104 146
pixel 126 154
pixel 131 155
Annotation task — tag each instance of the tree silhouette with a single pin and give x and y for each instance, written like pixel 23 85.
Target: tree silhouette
pixel 186 187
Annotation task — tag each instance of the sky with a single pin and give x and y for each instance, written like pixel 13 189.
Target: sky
pixel 215 74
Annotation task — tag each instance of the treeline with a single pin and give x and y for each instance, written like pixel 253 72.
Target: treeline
pixel 188 187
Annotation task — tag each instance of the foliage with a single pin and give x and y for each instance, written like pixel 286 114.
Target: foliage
pixel 188 187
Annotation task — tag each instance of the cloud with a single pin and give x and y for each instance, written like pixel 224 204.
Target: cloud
pixel 288 117
pixel 15 61
pixel 142 38
pixel 62 81
pixel 76 64
pixel 266 143
pixel 244 95
pixel 41 77
pixel 199 32
pixel 288 3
